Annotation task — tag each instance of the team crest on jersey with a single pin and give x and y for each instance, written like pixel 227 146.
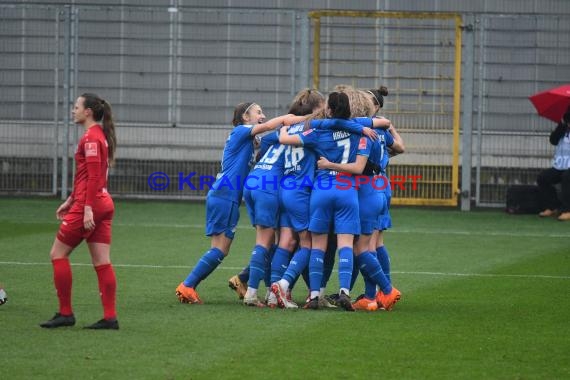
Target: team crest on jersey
pixel 308 131
pixel 362 143
pixel 91 149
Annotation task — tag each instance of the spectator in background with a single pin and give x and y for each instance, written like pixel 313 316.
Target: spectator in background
pixel 558 173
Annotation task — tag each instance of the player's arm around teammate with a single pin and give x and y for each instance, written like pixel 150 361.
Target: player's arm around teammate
pixel 225 195
pixel 294 198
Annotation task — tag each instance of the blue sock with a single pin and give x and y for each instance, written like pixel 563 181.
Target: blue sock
pixel 369 285
pixel 292 283
pixel 268 261
pixel 298 263
pixel 279 264
pixel 316 263
pixel 371 267
pixel 355 270
pixel 244 274
pixel 257 266
pixel 384 260
pixel 345 264
pixel 206 265
pixel 329 264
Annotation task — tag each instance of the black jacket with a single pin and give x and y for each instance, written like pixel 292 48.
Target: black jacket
pixel 559 132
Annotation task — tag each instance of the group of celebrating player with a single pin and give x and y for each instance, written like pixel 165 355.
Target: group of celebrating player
pixel 319 156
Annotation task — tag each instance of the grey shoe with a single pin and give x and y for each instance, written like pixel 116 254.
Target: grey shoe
pixel 345 302
pixel 59 320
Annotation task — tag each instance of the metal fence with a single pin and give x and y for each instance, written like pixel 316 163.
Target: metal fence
pixel 515 56
pixel 173 76
pixel 418 57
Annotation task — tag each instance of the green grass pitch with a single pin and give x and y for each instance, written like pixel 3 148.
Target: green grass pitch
pixel 485 296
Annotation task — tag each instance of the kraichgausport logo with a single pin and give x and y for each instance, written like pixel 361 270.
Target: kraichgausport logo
pixel 160 181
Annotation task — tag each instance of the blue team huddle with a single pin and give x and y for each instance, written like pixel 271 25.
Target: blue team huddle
pixel 315 184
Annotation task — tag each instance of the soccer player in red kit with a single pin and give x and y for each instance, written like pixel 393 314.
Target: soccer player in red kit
pixel 87 213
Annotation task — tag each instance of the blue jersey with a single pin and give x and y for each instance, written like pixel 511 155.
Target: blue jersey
pixel 236 159
pixel 268 171
pixel 378 152
pixel 266 141
pixel 371 197
pixel 299 163
pixel 355 125
pixel 385 159
pixel 336 146
pixel 366 147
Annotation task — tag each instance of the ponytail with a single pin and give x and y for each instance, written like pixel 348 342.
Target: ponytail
pixel 109 130
pixel 102 112
pixel 378 95
pixel 306 101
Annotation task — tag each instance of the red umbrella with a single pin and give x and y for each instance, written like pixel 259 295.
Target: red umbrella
pixel 553 103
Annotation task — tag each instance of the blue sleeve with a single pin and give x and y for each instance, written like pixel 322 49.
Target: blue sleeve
pixel 364 146
pixel 242 133
pixel 267 141
pixel 364 121
pixel 339 125
pixel 388 138
pixel 309 138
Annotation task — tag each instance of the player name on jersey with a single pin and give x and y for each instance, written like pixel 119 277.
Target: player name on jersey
pixel 339 135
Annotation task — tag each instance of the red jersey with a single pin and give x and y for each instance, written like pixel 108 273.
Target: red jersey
pixel 92 166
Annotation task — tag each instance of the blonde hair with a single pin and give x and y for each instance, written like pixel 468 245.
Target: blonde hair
pixel 319 114
pixel 306 101
pixel 361 104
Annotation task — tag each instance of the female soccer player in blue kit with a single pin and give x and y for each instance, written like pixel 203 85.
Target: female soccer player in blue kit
pixel 385 220
pixel 223 199
pixel 301 258
pixel 294 197
pixel 329 204
pixel 293 163
pixel 372 204
pixel 262 202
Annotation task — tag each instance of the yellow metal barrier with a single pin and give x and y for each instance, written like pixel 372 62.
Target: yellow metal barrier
pixel 435 167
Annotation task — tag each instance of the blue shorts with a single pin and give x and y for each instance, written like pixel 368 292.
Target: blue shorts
pixel 385 220
pixel 372 204
pixel 295 208
pixel 222 216
pixel 262 207
pixel 334 206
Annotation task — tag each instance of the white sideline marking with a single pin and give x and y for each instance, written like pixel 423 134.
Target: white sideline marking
pixel 390 231
pixel 486 275
pixel 240 268
pixel 398 231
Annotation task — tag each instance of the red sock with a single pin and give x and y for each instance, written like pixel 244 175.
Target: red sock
pixel 62 280
pixel 107 289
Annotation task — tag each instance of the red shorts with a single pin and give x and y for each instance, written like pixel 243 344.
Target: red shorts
pixel 71 231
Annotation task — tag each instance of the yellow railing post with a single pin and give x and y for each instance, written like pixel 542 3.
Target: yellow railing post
pixel 440 183
pixel 317 53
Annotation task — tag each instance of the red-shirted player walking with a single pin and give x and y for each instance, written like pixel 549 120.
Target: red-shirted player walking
pixel 87 213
